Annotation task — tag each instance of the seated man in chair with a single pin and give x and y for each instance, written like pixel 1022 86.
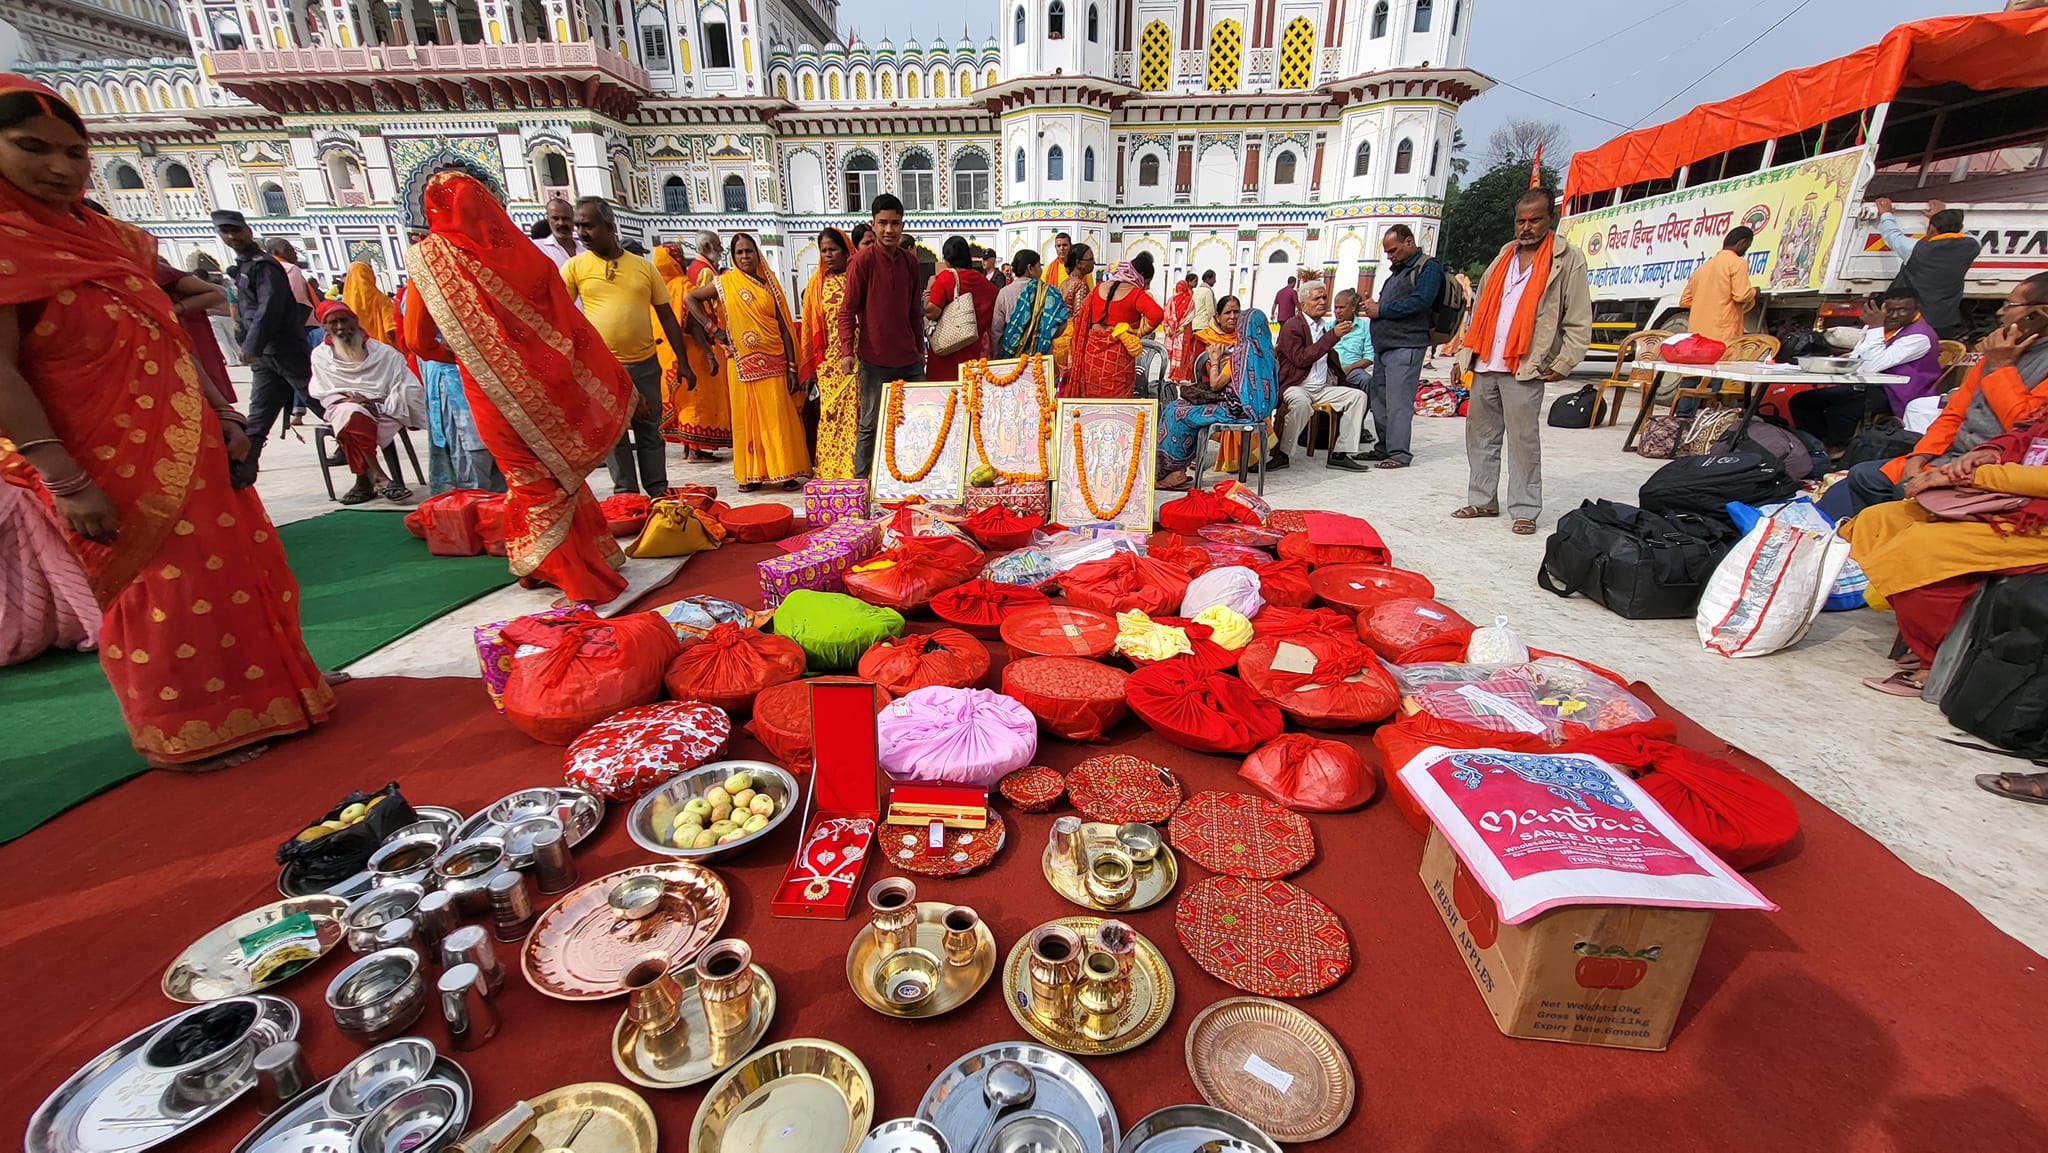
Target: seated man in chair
pixel 368 394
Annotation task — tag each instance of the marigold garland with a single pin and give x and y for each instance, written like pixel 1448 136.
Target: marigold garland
pixel 895 418
pixel 1130 475
pixel 976 374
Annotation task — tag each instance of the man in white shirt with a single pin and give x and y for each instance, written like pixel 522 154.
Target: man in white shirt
pixel 1896 339
pixel 1310 375
pixel 1202 314
pixel 560 242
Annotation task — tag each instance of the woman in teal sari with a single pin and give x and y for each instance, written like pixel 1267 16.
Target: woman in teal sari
pixel 1244 388
pixel 1037 314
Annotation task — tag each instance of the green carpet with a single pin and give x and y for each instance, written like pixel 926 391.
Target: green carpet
pixel 364 581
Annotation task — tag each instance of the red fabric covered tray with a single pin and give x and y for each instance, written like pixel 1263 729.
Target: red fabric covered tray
pixel 1124 581
pixel 782 719
pixel 1073 698
pixel 1034 788
pixel 1397 626
pixel 1346 688
pixel 1060 631
pixel 1119 789
pixel 1249 536
pixel 1240 835
pixel 979 607
pixel 757 523
pixel 1265 937
pixel 1356 587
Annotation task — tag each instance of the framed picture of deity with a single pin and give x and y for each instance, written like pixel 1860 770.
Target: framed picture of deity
pixel 1104 462
pixel 921 446
pixel 1010 410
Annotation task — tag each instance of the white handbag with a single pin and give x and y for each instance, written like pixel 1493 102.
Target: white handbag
pixel 956 328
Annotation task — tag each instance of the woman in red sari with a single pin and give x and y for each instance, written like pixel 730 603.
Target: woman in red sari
pixel 549 399
pixel 100 395
pixel 1180 331
pixel 1112 320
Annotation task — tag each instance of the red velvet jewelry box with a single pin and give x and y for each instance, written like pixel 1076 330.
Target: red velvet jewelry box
pixel 823 878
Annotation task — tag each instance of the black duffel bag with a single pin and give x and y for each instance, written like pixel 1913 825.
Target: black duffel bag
pixel 1640 564
pixel 1999 690
pixel 1581 409
pixel 1703 486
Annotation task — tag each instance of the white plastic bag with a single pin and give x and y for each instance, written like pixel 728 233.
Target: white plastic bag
pixel 1495 644
pixel 1769 588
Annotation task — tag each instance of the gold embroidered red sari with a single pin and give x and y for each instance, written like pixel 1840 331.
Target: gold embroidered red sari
pixel 200 636
pixel 549 399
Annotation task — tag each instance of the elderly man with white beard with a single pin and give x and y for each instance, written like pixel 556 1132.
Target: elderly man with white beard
pixel 369 394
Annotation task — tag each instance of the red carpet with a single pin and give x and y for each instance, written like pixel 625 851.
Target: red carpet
pixel 1877 1011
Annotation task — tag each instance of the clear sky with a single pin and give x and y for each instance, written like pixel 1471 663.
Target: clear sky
pixel 1679 52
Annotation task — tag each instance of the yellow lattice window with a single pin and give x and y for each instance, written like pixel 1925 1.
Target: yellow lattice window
pixel 860 86
pixel 782 87
pixel 1297 53
pixel 989 80
pixel 966 83
pixel 1226 50
pixel 1155 58
pixel 910 85
pixel 810 87
pixel 939 85
pixel 832 85
pixel 888 86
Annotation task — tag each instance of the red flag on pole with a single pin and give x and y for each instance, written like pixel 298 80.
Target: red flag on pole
pixel 1536 166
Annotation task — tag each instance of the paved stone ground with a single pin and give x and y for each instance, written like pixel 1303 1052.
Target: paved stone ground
pixel 1877 760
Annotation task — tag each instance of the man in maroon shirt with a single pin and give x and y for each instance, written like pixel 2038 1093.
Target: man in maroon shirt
pixel 882 307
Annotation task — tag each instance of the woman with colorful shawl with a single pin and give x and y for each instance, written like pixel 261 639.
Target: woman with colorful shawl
pixel 456 454
pixel 100 396
pixel 1037 319
pixel 548 397
pixel 761 353
pixel 1113 320
pixel 1180 331
pixel 703 422
pixel 838 392
pixel 1243 385
pixel 374 310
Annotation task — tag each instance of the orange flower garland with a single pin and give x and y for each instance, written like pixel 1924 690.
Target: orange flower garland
pixel 1130 475
pixel 976 374
pixel 894 417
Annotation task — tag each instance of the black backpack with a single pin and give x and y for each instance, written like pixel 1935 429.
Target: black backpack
pixel 1879 442
pixel 1633 562
pixel 1450 305
pixel 1702 486
pixel 1775 441
pixel 1581 409
pixel 1999 689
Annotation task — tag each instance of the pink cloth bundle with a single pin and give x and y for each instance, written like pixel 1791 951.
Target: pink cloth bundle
pixel 1232 585
pixel 955 736
pixel 46 599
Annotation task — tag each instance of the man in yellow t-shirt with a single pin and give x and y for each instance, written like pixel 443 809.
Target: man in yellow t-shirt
pixel 1720 289
pixel 621 294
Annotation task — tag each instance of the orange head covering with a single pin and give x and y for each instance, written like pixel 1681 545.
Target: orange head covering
pixel 372 307
pixel 811 348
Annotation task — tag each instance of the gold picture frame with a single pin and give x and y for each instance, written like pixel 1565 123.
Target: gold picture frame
pixel 1005 400
pixel 1106 428
pixel 926 409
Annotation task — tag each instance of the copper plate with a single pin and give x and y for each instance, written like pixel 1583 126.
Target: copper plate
pixel 580 950
pixel 1273 1065
pixel 590 1117
pixel 1151 996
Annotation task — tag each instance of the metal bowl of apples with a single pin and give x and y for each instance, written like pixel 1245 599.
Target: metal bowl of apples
pixel 713 810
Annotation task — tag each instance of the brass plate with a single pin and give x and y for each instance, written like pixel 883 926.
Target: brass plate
pixel 682 1056
pixel 213 966
pixel 802 1096
pixel 1150 1004
pixel 590 1117
pixel 1154 884
pixel 957 983
pixel 580 950
pixel 1273 1065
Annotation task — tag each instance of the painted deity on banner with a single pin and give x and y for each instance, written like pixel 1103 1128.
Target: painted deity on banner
pixel 1106 463
pixel 929 444
pixel 1007 399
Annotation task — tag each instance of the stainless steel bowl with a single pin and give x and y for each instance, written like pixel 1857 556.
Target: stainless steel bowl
pixel 679 790
pixel 464 871
pixel 366 914
pixel 1034 1132
pixel 523 804
pixel 379 996
pixel 520 834
pixel 406 860
pixel 905 1135
pixel 1828 365
pixel 636 897
pixel 379 1075
pixel 1179 1127
pixel 447 819
pixel 424 1119
pixel 207 1047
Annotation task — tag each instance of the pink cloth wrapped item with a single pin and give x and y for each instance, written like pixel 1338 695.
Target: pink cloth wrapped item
pixel 1232 585
pixel 955 736
pixel 46 601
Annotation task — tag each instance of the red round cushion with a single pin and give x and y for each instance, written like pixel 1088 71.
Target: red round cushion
pixel 730 665
pixel 1200 708
pixel 633 751
pixel 1347 687
pixel 1310 773
pixel 782 719
pixel 1281 621
pixel 1073 698
pixel 998 529
pixel 1060 631
pixel 1395 626
pixel 1285 583
pixel 1123 581
pixel 755 523
pixel 979 607
pixel 912 661
pixel 1296 545
pixel 1196 509
pixel 1357 587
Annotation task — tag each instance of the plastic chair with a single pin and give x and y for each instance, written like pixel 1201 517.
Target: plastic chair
pixel 322 434
pixel 1623 379
pixel 1751 347
pixel 1253 433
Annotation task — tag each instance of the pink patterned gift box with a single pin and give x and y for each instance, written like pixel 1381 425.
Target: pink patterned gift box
pixel 822 565
pixel 829 501
pixel 495 655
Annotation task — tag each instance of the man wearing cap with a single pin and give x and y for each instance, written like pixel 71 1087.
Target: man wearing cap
pixel 369 395
pixel 270 327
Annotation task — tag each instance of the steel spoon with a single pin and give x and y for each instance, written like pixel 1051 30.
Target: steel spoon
pixel 1007 1085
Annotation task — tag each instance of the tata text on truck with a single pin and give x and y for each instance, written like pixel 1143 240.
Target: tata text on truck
pixel 1952 109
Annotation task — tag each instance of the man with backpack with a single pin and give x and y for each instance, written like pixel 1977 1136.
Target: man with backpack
pixel 1401 325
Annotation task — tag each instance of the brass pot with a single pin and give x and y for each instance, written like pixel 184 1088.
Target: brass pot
pixel 1054 965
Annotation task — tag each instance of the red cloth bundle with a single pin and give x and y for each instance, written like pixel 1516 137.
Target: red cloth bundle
pixel 625 514
pixel 946 657
pixel 702 497
pixel 1742 819
pixel 1072 698
pixel 1123 581
pixel 1346 688
pixel 1401 739
pixel 1200 708
pixel 450 521
pixel 979 607
pixel 757 523
pixel 1281 621
pixel 907 577
pixel 1221 553
pixel 782 720
pixel 1357 587
pixel 730 665
pixel 1310 773
pixel 1059 631
pixel 490 524
pixel 1188 513
pixel 1399 624
pixel 591 669
pixel 1175 549
pixel 1285 583
pixel 1444 648
pixel 998 529
pixel 1332 538
pixel 416 523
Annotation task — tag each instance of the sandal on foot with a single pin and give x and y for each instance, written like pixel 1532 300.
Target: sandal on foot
pixel 1474 512
pixel 2029 787
pixel 750 488
pixel 1390 462
pixel 1900 684
pixel 1523 526
pixel 396 490
pixel 363 491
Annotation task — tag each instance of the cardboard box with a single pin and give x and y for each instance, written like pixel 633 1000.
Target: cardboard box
pixel 1612 975
pixel 844 785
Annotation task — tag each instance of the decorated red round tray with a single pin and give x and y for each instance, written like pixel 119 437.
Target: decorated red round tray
pixel 966 849
pixel 1060 631
pixel 1285 520
pixel 1265 937
pixel 1249 536
pixel 1033 788
pixel 1119 789
pixel 1241 835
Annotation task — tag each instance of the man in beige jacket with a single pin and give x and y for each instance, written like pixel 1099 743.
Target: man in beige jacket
pixel 1530 325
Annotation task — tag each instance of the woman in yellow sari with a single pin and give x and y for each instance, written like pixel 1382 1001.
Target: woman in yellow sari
pixel 671 271
pixel 761 350
pixel 838 392
pixel 372 307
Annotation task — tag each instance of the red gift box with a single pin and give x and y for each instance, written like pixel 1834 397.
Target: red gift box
pixel 842 807
pixel 450 521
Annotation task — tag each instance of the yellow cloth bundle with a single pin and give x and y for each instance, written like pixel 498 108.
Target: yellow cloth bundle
pixel 1141 638
pixel 1227 626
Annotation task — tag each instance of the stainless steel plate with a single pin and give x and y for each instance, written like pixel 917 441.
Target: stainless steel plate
pixel 216 965
pixel 1065 1089
pixel 310 1107
pixel 580 813
pixel 1187 1128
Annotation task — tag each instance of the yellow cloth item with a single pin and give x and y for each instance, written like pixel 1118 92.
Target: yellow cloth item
pixel 373 309
pixel 1128 336
pixel 618 298
pixel 2017 479
pixel 1139 638
pixel 676 529
pixel 1227 626
pixel 1902 546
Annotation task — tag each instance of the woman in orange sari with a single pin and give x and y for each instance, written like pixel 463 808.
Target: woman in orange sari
pixel 671 271
pixel 99 393
pixel 760 340
pixel 548 398
pixel 703 413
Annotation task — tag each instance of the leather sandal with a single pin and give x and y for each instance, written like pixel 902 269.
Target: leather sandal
pixel 1523 526
pixel 1474 512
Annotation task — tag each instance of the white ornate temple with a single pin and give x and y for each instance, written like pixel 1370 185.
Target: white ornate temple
pixel 1244 136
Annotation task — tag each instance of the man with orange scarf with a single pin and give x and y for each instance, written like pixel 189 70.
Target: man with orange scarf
pixel 1531 325
pixel 549 399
